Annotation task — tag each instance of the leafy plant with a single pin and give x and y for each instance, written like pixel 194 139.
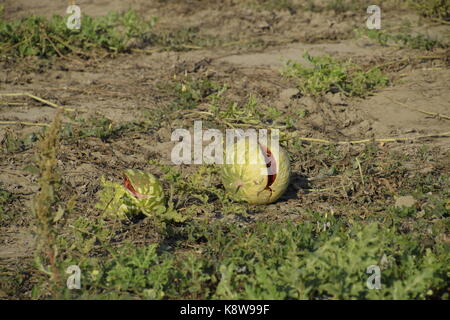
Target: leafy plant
pixel 189 92
pixel 5 198
pixel 340 6
pixel 198 191
pixel 330 75
pixel 275 5
pixel 98 126
pixel 14 143
pixel 48 37
pixel 184 39
pixel 273 261
pixel 420 41
pixel 439 9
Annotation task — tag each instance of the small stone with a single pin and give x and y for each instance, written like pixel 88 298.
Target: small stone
pixel 405 201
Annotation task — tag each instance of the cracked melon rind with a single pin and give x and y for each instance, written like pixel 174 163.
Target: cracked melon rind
pixel 249 179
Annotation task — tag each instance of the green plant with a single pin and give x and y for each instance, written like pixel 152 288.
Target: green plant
pixel 329 75
pixel 48 37
pixel 248 113
pixel 5 198
pixel 190 92
pixel 270 260
pixel 275 5
pixel 140 269
pixel 307 255
pixel 340 6
pixel 439 9
pixel 97 126
pixel 184 39
pixel 12 142
pixel 420 41
pixel 199 191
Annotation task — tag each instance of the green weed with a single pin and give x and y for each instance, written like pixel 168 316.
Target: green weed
pixel 189 92
pixel 199 192
pixel 37 36
pixel 319 256
pixel 12 142
pixel 275 5
pixel 271 261
pixel 186 94
pixel 5 198
pixel 340 6
pixel 98 126
pixel 330 75
pixel 420 41
pixel 439 9
pixel 184 39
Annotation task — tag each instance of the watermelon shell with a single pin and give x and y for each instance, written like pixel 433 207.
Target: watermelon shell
pixel 248 177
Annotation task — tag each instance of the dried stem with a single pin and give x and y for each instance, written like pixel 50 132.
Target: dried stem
pixel 44 201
